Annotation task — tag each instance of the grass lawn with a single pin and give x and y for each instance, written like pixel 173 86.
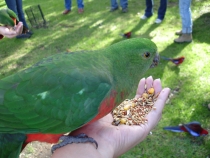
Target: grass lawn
pixel 97 28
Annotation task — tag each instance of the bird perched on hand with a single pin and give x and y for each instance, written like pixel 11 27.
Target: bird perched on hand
pixel 66 91
pixel 194 128
pixel 176 61
pixel 8 17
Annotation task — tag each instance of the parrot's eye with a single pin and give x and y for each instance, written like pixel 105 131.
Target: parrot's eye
pixel 147 55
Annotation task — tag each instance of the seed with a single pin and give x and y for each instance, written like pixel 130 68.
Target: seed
pixel 133 104
pixel 133 111
pixel 117 122
pixel 145 95
pixel 156 96
pixel 151 91
pixel 114 111
pixel 126 107
pixel 123 121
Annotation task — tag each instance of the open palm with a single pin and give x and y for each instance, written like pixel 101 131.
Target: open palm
pixel 119 139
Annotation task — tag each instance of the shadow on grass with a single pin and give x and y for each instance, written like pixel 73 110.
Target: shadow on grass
pixel 201 28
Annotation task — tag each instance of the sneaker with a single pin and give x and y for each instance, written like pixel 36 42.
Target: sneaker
pixel 80 10
pixel 66 11
pixel 158 21
pixel 113 9
pixel 23 35
pixel 29 32
pixel 124 10
pixel 144 17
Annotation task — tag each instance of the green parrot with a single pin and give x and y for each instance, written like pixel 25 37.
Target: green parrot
pixel 66 91
pixel 8 17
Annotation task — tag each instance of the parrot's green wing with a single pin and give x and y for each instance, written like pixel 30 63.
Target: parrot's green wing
pixel 53 96
pixel 7 17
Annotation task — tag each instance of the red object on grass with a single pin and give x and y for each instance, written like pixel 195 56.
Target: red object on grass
pixel 126 35
pixel 176 61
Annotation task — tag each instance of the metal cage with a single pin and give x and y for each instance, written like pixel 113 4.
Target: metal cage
pixel 36 16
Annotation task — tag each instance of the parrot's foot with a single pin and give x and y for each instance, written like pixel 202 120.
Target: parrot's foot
pixel 81 138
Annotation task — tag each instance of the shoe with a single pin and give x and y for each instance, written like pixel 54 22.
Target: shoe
pixel 144 17
pixel 66 11
pixel 26 30
pixel 80 10
pixel 23 35
pixel 113 9
pixel 29 32
pixel 178 33
pixel 124 10
pixel 185 37
pixel 158 21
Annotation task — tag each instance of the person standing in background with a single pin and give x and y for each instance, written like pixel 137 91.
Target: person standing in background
pixel 80 6
pixel 123 4
pixel 185 35
pixel 161 11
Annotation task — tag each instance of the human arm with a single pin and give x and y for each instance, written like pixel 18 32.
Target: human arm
pixel 114 141
pixel 9 32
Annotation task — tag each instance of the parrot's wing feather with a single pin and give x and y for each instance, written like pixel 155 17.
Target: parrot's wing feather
pixel 51 97
pixel 194 128
pixel 192 132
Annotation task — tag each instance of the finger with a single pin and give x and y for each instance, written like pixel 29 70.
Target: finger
pixel 140 88
pixel 19 28
pixel 149 82
pixel 157 86
pixel 155 115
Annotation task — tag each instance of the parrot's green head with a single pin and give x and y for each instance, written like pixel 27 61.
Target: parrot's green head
pixel 132 57
pixel 135 53
pixel 8 17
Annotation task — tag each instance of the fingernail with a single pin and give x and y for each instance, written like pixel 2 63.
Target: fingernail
pixel 158 79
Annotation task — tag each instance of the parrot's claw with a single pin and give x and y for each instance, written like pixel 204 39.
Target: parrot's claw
pixel 81 138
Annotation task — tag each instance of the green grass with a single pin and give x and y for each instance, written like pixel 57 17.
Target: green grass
pixel 98 28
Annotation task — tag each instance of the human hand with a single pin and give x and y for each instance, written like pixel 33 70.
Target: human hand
pixel 113 141
pixel 9 32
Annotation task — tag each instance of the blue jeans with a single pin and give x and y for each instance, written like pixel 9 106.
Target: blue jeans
pixel 185 12
pixel 16 6
pixel 123 4
pixel 161 10
pixel 68 4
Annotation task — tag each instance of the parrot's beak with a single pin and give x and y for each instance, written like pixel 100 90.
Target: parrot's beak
pixel 155 60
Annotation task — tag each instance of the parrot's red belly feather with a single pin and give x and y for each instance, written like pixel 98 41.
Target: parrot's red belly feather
pixel 106 106
pixel 48 138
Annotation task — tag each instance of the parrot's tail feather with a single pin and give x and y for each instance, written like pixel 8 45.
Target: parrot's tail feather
pixel 11 144
pixel 173 129
pixel 165 58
